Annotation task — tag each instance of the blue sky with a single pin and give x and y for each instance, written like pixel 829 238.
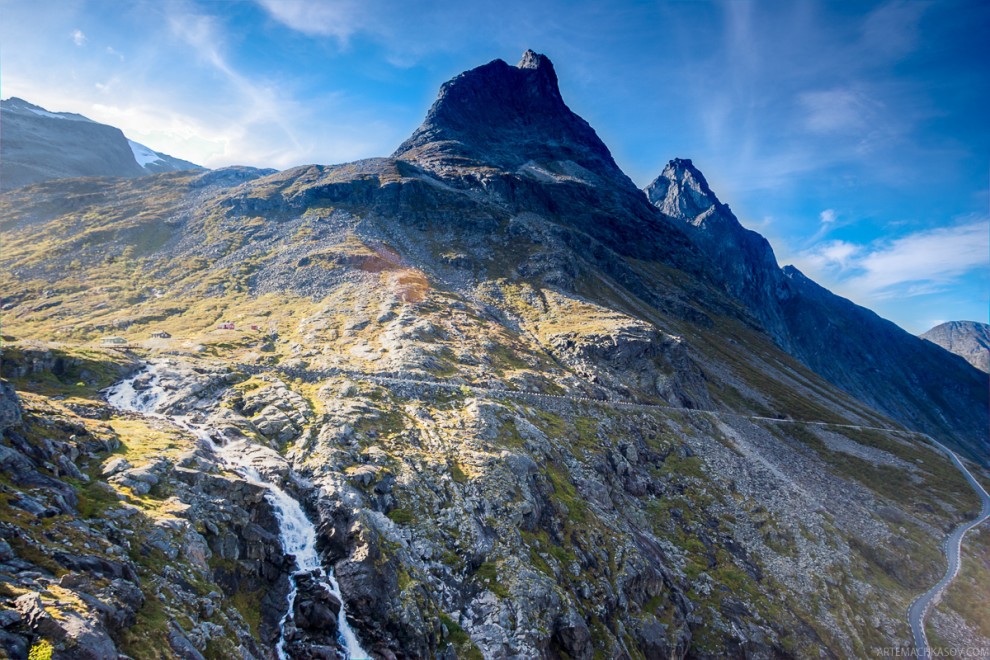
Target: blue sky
pixel 854 135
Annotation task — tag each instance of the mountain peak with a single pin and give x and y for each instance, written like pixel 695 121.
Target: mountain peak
pixel 505 117
pixel 681 191
pixel 533 60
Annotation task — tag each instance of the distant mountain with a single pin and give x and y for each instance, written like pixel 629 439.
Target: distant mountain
pixel 39 145
pixel 968 339
pixel 867 356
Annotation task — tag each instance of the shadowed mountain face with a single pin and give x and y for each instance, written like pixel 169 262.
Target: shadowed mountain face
pixel 531 414
pixel 967 339
pixel 39 145
pixel 867 356
pixel 505 130
pixel 508 117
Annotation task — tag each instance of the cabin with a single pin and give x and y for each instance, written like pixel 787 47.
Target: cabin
pixel 114 341
pixel 226 325
pixel 161 334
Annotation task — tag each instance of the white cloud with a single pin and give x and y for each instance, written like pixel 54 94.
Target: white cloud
pixel 339 18
pixel 839 110
pixel 917 264
pixel 79 37
pixel 935 257
pixel 827 216
pixel 115 53
pixel 830 258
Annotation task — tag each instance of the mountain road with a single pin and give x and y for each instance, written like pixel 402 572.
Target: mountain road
pixel 953 542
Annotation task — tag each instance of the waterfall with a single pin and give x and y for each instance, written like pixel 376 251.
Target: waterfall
pixel 296 532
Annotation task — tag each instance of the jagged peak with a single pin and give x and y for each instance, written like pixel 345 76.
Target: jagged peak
pixel 533 60
pixel 505 116
pixel 681 191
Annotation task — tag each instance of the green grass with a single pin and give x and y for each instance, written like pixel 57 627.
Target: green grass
pixel 41 650
pixel 148 636
pixel 488 576
pixel 457 474
pixel 460 640
pixel 248 603
pixel 401 516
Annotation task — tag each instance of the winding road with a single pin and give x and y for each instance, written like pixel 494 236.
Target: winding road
pixel 953 542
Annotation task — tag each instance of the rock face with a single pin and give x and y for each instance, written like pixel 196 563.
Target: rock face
pixel 847 344
pixel 967 339
pixel 39 145
pixel 743 260
pixel 506 117
pixel 171 536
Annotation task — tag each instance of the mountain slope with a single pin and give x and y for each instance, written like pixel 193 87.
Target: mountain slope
pixel 524 412
pixel 39 145
pixel 967 339
pixel 852 347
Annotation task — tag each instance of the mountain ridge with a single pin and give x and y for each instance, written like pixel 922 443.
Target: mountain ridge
pixel 39 145
pixel 844 342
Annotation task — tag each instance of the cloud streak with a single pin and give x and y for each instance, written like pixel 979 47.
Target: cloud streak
pixel 916 264
pixel 339 19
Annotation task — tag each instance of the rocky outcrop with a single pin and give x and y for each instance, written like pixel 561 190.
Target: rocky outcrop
pixel 10 408
pixel 85 591
pixel 742 260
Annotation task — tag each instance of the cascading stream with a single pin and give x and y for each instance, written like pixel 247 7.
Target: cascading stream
pixel 296 532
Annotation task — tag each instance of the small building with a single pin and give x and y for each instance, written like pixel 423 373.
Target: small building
pixel 161 334
pixel 226 325
pixel 255 327
pixel 114 341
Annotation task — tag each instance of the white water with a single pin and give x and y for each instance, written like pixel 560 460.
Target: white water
pixel 297 533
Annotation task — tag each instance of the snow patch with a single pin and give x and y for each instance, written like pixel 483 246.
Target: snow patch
pixel 143 155
pixel 45 113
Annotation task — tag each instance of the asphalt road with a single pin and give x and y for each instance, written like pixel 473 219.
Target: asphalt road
pixel 951 547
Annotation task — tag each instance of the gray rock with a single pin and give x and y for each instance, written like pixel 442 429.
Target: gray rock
pixel 10 407
pixel 115 465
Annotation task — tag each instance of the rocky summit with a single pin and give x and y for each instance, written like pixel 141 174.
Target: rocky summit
pixel 967 339
pixel 481 399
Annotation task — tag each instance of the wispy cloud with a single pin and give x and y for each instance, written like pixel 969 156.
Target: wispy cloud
pixel 891 30
pixel 340 18
pixel 916 264
pixel 827 216
pixel 258 103
pixel 839 110
pixel 79 37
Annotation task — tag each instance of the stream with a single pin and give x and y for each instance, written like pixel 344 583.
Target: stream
pixel 296 532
